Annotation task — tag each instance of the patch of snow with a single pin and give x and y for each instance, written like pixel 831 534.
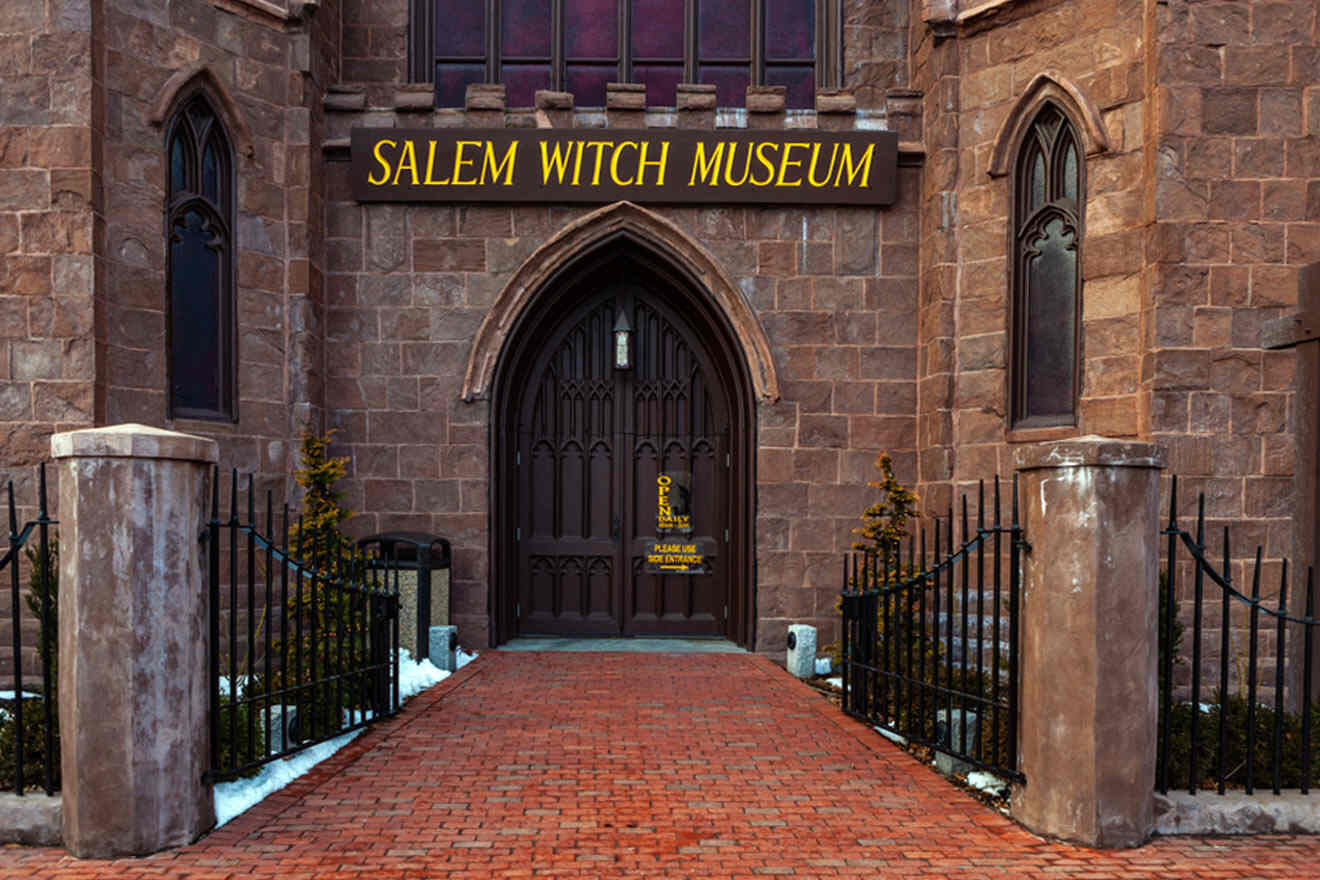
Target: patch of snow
pixel 9 695
pixel 891 736
pixel 824 666
pixel 462 658
pixel 987 782
pixel 836 681
pixel 234 798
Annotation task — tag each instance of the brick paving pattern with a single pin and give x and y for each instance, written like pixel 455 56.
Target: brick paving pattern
pixel 632 765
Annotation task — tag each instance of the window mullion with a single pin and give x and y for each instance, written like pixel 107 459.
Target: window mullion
pixel 494 16
pixel 757 19
pixel 625 41
pixel 690 40
pixel 557 73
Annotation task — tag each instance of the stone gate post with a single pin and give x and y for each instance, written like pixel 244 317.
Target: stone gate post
pixel 1089 614
pixel 133 629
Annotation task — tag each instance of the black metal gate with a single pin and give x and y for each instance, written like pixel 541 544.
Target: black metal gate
pixel 304 638
pixel 930 637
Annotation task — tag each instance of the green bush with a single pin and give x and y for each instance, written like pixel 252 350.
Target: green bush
pixel 34 746
pixel 1234 711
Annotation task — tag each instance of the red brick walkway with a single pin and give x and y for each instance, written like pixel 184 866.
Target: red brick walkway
pixel 634 765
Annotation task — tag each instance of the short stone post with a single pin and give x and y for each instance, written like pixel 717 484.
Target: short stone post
pixel 1089 613
pixel 133 639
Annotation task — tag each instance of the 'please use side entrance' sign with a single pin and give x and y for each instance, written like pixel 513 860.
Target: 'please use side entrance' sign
pixel 805 166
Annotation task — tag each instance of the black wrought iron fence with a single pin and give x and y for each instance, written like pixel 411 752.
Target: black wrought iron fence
pixel 1253 721
pixel 304 636
pixel 930 638
pixel 29 713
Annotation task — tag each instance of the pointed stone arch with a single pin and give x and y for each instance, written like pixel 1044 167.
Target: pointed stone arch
pixel 1048 86
pixel 185 82
pixel 627 221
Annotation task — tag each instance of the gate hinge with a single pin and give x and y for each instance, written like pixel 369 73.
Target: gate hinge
pixel 726 536
pixel 728 459
pixel 517 534
pixel 517 458
pixel 726 612
pixel 517 611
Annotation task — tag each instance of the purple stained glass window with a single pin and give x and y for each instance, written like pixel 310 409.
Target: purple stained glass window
pixel 451 82
pixel 725 30
pixel 522 81
pixel 657 29
pixel 730 83
pixel 800 81
pixel 587 83
pixel 661 83
pixel 591 28
pixel 460 29
pixel 525 30
pixel 790 29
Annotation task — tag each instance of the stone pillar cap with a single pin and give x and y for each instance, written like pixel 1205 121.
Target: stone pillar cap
pixel 133 441
pixel 1090 451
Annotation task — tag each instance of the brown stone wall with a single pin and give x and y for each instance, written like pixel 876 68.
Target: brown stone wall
pixel 275 69
pixel 834 290
pixel 1238 174
pixel 48 169
pixel 972 72
pixel 49 165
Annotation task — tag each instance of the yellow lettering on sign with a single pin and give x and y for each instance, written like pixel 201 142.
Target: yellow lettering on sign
pixel 658 164
pixel 430 168
pixel 728 167
pixel 407 159
pixel 614 164
pixel 765 163
pixel 863 167
pixel 504 166
pixel 785 163
pixel 384 163
pixel 600 149
pixel 460 162
pixel 557 162
pixel 811 169
pixel 708 170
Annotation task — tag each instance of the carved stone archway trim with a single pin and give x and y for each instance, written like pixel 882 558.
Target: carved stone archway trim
pixel 1046 86
pixel 199 75
pixel 621 219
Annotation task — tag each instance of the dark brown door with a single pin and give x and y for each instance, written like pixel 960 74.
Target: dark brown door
pixel 592 441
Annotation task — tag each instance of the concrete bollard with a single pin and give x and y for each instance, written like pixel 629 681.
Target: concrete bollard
pixel 801 655
pixel 444 647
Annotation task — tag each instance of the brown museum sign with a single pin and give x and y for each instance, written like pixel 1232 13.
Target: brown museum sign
pixel 640 165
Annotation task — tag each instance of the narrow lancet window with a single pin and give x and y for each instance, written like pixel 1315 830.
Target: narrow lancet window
pixel 199 264
pixel 1049 185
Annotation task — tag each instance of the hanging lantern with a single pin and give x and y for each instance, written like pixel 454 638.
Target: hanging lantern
pixel 622 342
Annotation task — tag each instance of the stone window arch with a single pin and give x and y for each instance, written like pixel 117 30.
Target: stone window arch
pixel 199 261
pixel 1049 188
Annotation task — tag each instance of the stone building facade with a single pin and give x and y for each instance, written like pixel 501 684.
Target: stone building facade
pixel 858 329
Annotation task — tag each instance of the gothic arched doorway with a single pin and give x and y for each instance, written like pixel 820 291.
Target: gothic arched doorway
pixel 581 448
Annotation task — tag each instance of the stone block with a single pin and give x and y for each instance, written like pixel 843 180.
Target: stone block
pixel 31 820
pixel 801 650
pixel 625 96
pixel 766 99
pixel 958 731
pixel 443 647
pixel 695 96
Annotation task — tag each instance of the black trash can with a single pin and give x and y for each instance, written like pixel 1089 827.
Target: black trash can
pixel 407 560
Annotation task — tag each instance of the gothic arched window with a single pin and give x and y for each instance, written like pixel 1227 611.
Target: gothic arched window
pixel 1049 189
pixel 200 263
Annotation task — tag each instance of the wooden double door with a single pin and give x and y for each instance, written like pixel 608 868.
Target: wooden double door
pixel 593 446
